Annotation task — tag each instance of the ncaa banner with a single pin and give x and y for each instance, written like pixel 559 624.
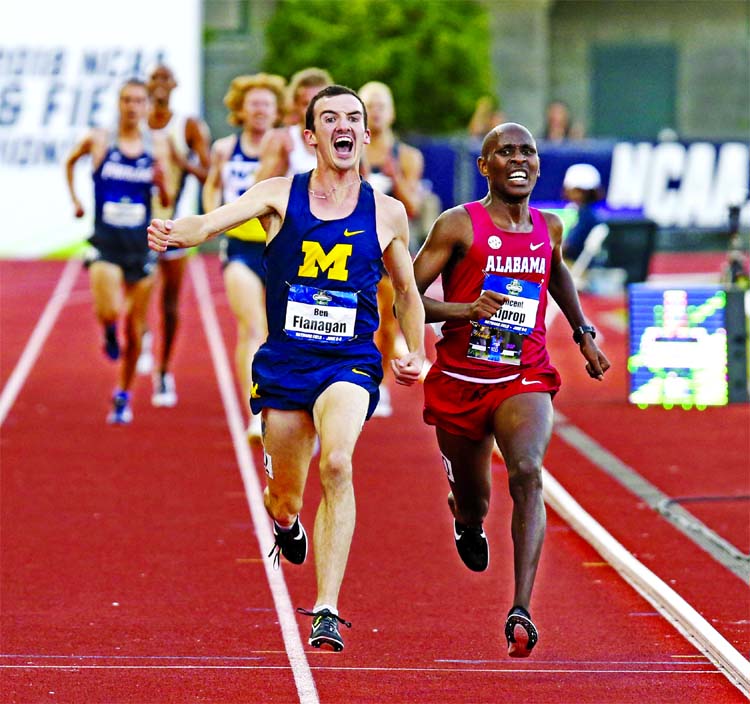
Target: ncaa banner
pixel 61 67
pixel 677 185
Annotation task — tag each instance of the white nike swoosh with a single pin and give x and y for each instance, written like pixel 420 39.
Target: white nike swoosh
pixel 534 247
pixel 457 536
pixel 528 383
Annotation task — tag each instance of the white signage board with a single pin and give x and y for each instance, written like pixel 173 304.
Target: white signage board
pixel 61 67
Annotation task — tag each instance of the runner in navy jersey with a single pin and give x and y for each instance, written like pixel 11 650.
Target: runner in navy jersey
pixel 328 234
pixel 493 380
pixel 254 104
pixel 127 164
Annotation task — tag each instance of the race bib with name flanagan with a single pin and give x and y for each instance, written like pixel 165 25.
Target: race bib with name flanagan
pixel 317 314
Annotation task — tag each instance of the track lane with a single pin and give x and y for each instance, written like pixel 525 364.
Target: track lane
pixel 683 453
pixel 432 631
pixel 438 626
pixel 129 548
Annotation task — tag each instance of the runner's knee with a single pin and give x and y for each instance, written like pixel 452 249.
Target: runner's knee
pixel 335 471
pixel 282 506
pixel 525 475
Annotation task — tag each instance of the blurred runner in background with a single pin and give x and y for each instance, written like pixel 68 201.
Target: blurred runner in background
pixel 396 169
pixel 127 164
pixel 189 142
pixel 254 104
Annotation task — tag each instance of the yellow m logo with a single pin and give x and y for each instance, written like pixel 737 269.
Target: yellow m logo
pixel 334 262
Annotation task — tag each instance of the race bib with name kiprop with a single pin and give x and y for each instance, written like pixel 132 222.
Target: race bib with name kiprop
pixel 500 338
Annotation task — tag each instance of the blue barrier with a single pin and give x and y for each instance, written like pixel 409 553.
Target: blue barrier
pixel 677 185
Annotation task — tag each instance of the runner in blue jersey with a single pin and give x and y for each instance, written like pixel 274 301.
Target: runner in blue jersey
pixel 319 371
pixel 254 104
pixel 127 165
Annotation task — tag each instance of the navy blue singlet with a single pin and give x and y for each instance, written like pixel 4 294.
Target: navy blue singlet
pixel 321 304
pixel 122 194
pixel 310 260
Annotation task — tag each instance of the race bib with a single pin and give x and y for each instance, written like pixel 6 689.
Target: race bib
pixel 315 314
pixel 500 338
pixel 124 214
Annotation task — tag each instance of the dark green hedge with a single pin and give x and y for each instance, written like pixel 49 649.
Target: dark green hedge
pixel 434 54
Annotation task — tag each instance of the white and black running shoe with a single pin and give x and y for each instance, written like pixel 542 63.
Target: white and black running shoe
pixel 325 629
pixel 292 544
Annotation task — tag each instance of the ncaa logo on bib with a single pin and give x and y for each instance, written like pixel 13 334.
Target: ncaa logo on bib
pixel 514 287
pixel 494 242
pixel 322 298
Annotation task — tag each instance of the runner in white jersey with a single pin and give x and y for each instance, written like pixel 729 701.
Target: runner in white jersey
pixel 254 104
pixel 301 159
pixel 284 152
pixel 396 169
pixel 189 141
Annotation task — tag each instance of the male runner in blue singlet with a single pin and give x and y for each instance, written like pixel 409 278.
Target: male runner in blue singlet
pixel 127 165
pixel 254 104
pixel 319 370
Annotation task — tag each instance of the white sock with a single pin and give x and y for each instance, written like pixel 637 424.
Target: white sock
pixel 319 607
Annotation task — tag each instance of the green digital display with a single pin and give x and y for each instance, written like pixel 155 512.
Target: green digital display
pixel 678 346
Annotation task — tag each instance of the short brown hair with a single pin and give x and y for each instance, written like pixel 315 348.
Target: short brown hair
pixel 309 78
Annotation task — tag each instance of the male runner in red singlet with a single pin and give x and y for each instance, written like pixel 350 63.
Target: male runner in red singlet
pixel 493 380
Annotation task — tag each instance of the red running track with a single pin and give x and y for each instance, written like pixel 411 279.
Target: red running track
pixel 131 572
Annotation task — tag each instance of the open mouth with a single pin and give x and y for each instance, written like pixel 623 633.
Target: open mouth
pixel 343 145
pixel 518 176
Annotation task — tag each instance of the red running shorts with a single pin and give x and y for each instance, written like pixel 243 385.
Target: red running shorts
pixel 466 408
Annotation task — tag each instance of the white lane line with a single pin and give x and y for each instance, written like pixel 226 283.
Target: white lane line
pixel 678 515
pixel 662 597
pixel 38 337
pixel 70 660
pixel 500 670
pixel 300 667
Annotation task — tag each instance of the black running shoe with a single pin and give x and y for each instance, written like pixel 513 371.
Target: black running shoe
pixel 325 629
pixel 111 346
pixel 292 544
pixel 520 632
pixel 472 546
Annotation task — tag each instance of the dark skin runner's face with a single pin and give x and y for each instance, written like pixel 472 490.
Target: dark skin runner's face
pixel 510 162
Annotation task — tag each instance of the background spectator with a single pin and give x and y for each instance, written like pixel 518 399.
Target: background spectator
pixel 559 125
pixel 582 188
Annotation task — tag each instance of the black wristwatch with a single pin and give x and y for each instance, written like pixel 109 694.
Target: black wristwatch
pixel 579 332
